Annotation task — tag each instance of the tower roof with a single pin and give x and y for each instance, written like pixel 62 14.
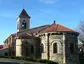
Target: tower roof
pixel 24 14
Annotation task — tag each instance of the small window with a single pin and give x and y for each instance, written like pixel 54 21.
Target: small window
pixel 42 48
pixel 18 25
pixel 24 25
pixel 26 51
pixel 71 48
pixel 55 48
pixel 32 49
pixel 26 42
pixel 6 54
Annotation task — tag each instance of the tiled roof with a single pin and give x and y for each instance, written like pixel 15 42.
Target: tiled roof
pixel 56 28
pixel 24 14
pixel 24 35
pixel 46 28
pixel 43 29
pixel 34 30
pixel 14 35
pixel 3 48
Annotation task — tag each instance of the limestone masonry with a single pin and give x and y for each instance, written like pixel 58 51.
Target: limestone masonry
pixel 53 42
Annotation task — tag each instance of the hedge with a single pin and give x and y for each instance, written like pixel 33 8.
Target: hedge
pixel 30 59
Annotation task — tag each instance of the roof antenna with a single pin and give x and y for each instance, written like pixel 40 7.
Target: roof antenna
pixel 54 22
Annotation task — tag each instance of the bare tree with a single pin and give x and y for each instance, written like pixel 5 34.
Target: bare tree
pixel 81 31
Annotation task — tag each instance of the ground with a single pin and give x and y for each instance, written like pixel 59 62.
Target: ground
pixel 14 61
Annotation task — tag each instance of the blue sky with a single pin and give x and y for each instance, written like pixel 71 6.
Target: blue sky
pixel 66 12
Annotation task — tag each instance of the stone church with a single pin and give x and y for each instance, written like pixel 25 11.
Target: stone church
pixel 53 42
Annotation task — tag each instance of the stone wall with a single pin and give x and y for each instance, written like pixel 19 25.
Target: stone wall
pixel 58 57
pixel 71 58
pixel 63 41
pixel 44 42
pixel 23 47
pixel 4 52
pixel 19 23
pixel 18 47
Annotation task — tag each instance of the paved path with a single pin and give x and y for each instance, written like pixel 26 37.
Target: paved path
pixel 10 63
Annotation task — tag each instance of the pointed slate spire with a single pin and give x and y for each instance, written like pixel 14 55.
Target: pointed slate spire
pixel 24 14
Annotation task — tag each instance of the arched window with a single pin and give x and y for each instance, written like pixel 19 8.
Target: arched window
pixel 55 48
pixel 24 24
pixel 32 49
pixel 71 48
pixel 6 54
pixel 42 48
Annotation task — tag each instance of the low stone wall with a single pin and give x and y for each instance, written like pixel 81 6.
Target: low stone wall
pixel 4 52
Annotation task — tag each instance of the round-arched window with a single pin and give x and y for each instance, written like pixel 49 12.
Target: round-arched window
pixel 55 48
pixel 32 49
pixel 42 48
pixel 71 48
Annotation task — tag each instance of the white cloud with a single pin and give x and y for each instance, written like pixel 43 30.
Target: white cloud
pixel 49 1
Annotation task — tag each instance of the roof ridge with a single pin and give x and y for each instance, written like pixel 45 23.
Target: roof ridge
pixel 40 26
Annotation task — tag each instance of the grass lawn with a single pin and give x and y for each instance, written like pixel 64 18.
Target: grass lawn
pixel 18 61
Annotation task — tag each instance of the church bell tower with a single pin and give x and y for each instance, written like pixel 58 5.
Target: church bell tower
pixel 23 21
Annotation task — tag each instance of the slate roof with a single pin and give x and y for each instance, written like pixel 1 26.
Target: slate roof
pixel 24 14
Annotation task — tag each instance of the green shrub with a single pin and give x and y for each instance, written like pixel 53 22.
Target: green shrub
pixel 18 58
pixel 12 57
pixel 31 59
pixel 51 62
pixel 42 61
pixel 1 56
pixel 47 61
pixel 81 61
pixel 5 56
